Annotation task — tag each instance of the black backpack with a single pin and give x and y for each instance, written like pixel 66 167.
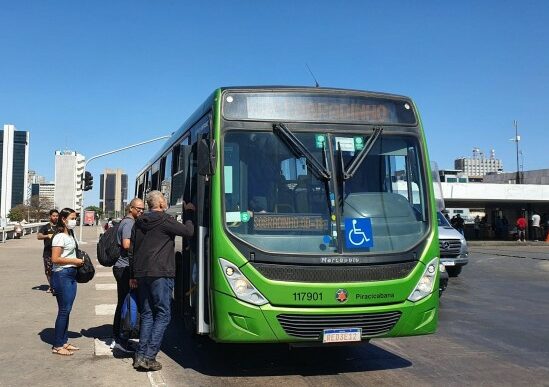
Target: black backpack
pixel 108 250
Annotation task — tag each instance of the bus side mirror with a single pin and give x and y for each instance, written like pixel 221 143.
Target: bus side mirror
pixel 206 157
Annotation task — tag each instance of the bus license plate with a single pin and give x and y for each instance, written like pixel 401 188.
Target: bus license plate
pixel 342 335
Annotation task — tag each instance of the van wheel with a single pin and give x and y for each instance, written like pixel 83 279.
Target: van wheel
pixel 453 271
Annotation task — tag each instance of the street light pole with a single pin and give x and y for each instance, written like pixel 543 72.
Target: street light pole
pixel 103 155
pixel 517 139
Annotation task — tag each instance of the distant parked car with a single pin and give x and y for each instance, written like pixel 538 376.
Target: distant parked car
pixel 454 253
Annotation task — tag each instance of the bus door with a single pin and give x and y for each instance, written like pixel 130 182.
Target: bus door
pixel 196 256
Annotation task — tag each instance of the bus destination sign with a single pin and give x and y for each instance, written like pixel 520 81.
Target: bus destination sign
pixel 278 222
pixel 342 108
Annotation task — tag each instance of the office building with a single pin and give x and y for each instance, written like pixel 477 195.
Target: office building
pixel 45 193
pixel 32 179
pixel 113 192
pixel 69 167
pixel 478 165
pixel 14 161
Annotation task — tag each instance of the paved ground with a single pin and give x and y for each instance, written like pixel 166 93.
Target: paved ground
pixel 493 331
pixel 28 317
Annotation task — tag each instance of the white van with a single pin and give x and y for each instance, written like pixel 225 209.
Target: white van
pixel 453 247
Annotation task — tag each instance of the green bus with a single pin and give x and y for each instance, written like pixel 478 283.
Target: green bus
pixel 315 222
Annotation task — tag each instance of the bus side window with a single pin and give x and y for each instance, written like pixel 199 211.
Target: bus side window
pixel 179 168
pixel 148 182
pixel 166 176
pixel 140 187
pixel 155 176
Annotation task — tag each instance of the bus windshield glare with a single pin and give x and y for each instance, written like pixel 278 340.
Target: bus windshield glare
pixel 275 202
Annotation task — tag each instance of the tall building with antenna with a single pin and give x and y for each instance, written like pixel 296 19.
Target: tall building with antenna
pixel 478 164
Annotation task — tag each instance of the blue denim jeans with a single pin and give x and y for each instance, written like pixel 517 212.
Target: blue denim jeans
pixel 154 296
pixel 64 283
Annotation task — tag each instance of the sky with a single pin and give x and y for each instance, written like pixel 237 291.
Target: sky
pixel 93 76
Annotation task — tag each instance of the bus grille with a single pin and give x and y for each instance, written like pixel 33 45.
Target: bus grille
pixel 449 247
pixel 312 326
pixel 331 274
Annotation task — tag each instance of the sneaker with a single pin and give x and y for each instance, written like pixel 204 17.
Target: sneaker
pixel 139 362
pixel 153 365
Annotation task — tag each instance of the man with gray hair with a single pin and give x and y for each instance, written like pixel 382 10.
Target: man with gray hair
pixel 152 267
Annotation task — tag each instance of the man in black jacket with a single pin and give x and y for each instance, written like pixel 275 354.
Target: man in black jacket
pixel 152 269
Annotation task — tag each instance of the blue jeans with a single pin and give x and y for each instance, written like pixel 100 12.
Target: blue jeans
pixel 154 296
pixel 64 283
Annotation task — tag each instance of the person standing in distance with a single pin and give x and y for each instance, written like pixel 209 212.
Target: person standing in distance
pixel 65 262
pixel 521 227
pixel 45 234
pixel 536 226
pixel 152 265
pixel 121 269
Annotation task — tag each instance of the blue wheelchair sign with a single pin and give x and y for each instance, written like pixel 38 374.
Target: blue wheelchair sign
pixel 358 233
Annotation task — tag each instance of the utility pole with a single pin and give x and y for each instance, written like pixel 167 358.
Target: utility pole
pixel 517 139
pixel 102 155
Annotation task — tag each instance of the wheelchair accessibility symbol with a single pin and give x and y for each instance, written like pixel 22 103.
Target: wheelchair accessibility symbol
pixel 358 233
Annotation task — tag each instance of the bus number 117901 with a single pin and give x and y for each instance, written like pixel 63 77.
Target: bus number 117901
pixel 308 296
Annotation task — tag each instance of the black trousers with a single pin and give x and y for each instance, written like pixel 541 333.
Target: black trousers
pixel 122 276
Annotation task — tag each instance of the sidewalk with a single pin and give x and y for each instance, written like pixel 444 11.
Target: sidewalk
pixel 28 317
pixel 507 243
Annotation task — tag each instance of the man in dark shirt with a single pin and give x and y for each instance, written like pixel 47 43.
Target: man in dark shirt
pixel 121 268
pixel 152 268
pixel 45 234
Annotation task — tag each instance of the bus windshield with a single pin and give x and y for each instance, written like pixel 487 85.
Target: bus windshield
pixel 276 202
pixel 273 200
pixel 386 193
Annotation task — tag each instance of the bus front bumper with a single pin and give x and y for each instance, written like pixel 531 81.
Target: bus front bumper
pixel 239 322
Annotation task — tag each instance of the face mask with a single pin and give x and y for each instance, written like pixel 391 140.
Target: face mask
pixel 71 224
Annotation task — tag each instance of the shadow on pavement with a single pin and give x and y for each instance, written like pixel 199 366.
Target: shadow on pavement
pixel 48 335
pixel 42 288
pixel 232 360
pixel 101 331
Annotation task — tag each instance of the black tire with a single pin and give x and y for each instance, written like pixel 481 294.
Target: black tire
pixel 453 271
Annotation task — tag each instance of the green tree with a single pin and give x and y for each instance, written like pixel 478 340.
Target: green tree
pixel 17 213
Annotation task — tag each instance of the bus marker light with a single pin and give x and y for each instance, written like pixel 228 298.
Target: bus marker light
pixel 229 271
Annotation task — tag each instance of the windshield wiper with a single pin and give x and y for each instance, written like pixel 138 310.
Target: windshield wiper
pixel 299 150
pixel 350 170
pixel 341 179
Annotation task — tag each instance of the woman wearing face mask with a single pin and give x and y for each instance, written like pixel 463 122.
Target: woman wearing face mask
pixel 65 262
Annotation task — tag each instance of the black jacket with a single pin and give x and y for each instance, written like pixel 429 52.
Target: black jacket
pixel 152 250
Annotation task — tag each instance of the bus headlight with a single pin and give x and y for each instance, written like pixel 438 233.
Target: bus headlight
pixel 426 283
pixel 241 286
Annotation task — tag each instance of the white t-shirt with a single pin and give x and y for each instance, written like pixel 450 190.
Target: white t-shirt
pixel 535 220
pixel 68 244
